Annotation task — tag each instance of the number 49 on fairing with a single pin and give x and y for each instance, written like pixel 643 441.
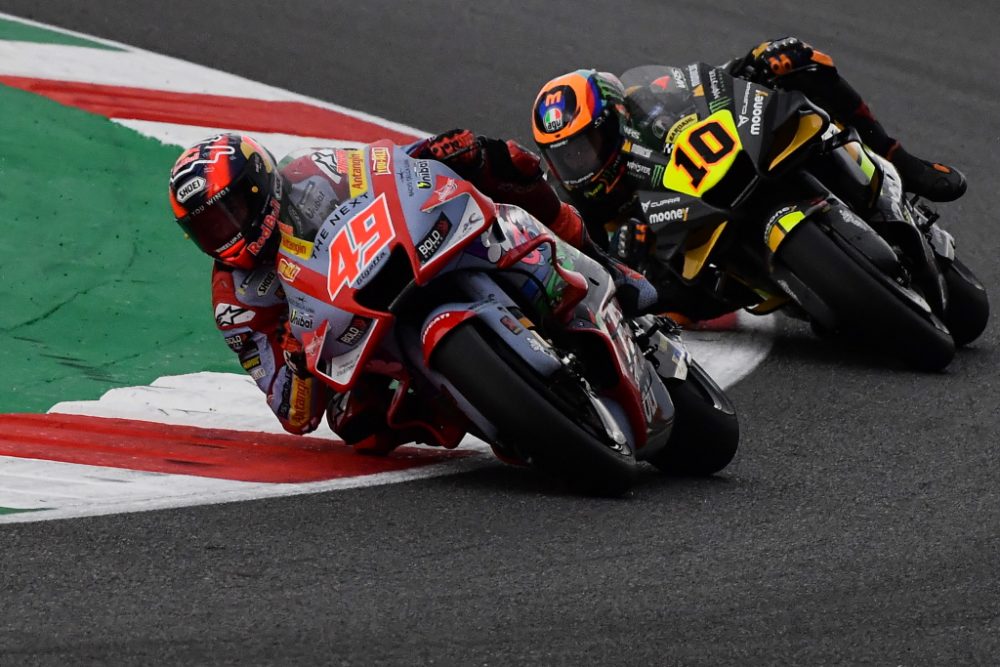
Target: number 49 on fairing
pixel 359 242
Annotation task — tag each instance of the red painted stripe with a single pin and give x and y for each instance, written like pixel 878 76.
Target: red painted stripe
pixel 202 452
pixel 727 322
pixel 208 110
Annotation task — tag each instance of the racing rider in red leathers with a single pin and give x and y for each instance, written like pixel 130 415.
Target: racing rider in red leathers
pixel 582 143
pixel 231 198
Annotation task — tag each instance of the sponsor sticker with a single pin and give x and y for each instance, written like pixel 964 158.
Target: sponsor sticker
pixel 267 229
pixel 288 270
pixel 301 318
pixel 331 162
pixel 434 239
pixel 191 188
pixel 356 173
pixel 228 315
pixel 381 161
pixel 237 341
pixel 423 174
pixel 355 331
pixel 265 285
pixel 511 324
pixel 297 247
pixel 678 214
pixel 250 363
pixel 678 127
pixel 757 112
pixel 301 399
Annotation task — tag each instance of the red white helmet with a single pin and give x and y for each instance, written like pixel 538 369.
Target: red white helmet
pixel 226 195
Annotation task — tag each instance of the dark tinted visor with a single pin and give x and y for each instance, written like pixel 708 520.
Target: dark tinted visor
pixel 584 155
pixel 220 224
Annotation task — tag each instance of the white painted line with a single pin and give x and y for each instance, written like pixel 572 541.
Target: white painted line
pixel 114 490
pixel 729 356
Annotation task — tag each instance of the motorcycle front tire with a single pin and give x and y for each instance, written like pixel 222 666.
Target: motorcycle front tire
pixel 706 432
pixel 529 415
pixel 968 308
pixel 865 305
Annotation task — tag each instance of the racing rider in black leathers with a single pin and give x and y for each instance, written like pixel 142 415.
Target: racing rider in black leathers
pixel 582 141
pixel 231 199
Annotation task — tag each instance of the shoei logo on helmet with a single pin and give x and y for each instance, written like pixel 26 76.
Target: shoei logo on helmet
pixel 191 188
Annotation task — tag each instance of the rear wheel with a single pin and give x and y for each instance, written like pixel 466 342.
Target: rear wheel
pixel 864 304
pixel 968 306
pixel 706 431
pixel 558 430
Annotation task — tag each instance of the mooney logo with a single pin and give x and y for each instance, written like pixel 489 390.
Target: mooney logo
pixel 758 111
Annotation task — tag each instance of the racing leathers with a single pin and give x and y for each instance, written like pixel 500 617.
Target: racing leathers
pixel 252 313
pixel 788 64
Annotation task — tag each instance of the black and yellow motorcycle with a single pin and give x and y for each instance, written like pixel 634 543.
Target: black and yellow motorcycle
pixel 761 203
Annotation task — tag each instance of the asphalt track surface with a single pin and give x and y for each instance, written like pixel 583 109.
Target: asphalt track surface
pixel 858 525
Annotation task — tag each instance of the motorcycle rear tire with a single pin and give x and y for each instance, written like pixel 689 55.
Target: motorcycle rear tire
pixel 968 305
pixel 706 432
pixel 517 400
pixel 864 305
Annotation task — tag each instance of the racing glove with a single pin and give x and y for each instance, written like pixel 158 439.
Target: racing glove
pixel 772 60
pixel 293 351
pixel 632 243
pixel 457 148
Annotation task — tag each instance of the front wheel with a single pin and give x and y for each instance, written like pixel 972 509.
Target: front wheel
pixel 870 306
pixel 554 425
pixel 968 306
pixel 706 430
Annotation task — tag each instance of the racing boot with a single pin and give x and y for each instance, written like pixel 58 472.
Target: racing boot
pixel 930 180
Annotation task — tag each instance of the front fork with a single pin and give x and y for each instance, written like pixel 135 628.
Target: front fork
pixel 872 188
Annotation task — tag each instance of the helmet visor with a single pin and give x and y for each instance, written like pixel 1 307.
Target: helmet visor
pixel 582 157
pixel 219 225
